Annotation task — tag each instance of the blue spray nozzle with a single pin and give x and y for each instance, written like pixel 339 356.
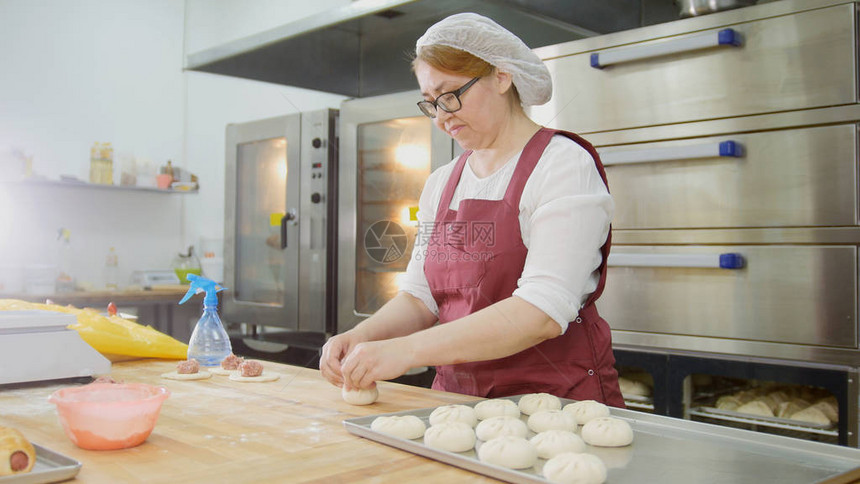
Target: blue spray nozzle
pixel 201 284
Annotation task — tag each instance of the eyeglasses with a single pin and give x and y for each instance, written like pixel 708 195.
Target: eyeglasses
pixel 447 101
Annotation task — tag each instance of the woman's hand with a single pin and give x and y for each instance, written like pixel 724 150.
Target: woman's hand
pixel 373 361
pixel 333 353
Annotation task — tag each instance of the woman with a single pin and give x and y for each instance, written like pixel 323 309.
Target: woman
pixel 501 296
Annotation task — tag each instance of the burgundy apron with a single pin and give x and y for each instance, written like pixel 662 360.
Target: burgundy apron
pixel 475 257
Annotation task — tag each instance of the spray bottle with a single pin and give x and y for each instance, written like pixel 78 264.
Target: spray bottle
pixel 209 342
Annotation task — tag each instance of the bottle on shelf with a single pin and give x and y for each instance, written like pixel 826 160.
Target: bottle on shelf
pixel 112 270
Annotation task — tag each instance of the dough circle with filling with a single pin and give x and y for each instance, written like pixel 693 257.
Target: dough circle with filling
pixel 266 376
pixel 200 375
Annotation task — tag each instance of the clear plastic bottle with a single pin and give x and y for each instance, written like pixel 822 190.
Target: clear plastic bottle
pixel 209 343
pixel 112 270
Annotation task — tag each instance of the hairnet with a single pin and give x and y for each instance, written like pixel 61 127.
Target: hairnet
pixel 487 40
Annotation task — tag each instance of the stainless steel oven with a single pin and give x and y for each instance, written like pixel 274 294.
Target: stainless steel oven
pixel 731 149
pixel 280 228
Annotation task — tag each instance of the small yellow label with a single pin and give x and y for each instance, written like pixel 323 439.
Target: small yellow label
pixel 275 219
pixel 413 214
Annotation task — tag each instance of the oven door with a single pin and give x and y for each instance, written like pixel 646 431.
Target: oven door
pixel 388 149
pixel 261 237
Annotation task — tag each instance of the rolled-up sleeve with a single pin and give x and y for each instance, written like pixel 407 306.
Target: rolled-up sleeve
pixel 567 211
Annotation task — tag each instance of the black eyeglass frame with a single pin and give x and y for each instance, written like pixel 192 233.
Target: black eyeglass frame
pixel 424 106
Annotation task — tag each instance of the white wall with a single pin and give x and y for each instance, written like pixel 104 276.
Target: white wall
pixel 73 72
pixel 76 72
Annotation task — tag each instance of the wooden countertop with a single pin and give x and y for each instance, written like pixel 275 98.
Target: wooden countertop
pixel 217 430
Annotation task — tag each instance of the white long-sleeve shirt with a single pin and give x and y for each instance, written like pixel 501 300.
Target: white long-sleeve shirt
pixel 565 212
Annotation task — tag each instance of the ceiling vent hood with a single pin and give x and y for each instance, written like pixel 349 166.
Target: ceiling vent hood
pixel 363 49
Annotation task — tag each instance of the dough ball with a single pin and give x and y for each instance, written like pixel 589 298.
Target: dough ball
pixel 811 415
pixel 586 410
pixel 552 420
pixel 535 402
pixel 404 426
pixel 501 426
pixel 571 468
pixel 359 397
pixel 607 432
pixel 451 436
pixel 510 452
pixel 498 407
pixel 553 442
pixel 454 413
pixel 756 407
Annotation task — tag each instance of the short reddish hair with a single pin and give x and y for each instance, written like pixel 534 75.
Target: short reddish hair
pixel 457 61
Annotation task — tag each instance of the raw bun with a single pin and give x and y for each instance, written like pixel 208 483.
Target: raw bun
pixel 496 408
pixel 553 442
pixel 535 402
pixel 787 409
pixel 607 432
pixel 828 408
pixel 265 376
pixel 586 410
pixel 633 387
pixel 17 455
pixel 201 375
pixel 404 426
pixel 571 468
pixel 454 413
pixel 811 415
pixel 552 420
pixel 501 426
pixel 359 397
pixel 510 452
pixel 451 436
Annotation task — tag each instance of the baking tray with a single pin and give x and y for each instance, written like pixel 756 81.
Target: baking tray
pixel 50 467
pixel 665 450
pixel 776 422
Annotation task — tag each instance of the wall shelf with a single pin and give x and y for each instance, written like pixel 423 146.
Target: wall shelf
pixel 94 186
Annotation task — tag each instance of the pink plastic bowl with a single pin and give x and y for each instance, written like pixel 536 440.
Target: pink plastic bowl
pixel 108 416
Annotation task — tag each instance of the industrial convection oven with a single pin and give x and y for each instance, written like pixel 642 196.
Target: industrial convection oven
pixel 731 148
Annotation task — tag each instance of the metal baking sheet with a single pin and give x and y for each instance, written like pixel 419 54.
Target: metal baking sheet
pixel 50 467
pixel 717 412
pixel 665 450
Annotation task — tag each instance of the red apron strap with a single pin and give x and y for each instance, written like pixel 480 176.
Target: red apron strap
pixel 451 186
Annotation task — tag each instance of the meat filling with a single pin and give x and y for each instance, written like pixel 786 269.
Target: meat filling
pixel 187 367
pixel 232 362
pixel 251 368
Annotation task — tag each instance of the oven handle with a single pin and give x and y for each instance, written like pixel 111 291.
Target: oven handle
pixel 725 149
pixel 729 260
pixel 730 37
pixel 292 218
